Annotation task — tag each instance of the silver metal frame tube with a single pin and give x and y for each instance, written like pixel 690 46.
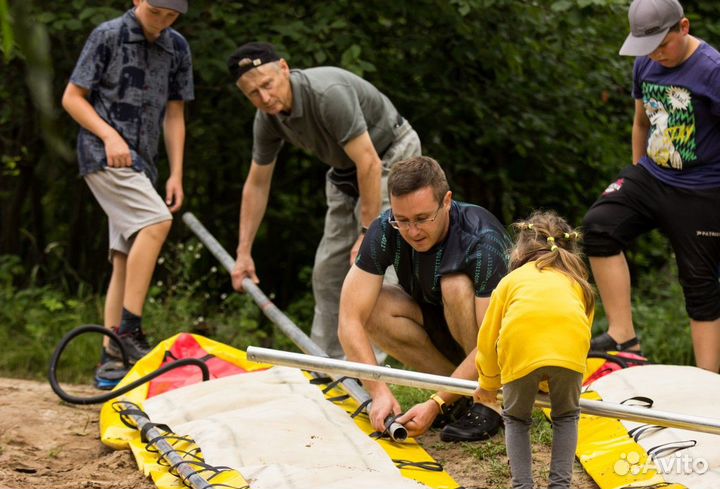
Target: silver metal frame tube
pixel 183 467
pixel 467 387
pixel 298 336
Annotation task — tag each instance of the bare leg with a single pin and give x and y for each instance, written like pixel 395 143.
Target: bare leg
pixel 706 344
pixel 141 265
pixel 115 291
pixel 459 307
pixel 396 326
pixel 612 277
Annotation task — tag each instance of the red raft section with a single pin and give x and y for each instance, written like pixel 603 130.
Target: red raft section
pixel 186 346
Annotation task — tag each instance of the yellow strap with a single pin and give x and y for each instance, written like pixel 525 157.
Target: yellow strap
pixel 440 402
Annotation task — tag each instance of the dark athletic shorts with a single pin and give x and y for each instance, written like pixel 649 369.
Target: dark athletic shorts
pixel 437 328
pixel 635 204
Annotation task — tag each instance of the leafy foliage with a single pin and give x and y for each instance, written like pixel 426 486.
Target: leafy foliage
pixel 512 110
pixel 526 105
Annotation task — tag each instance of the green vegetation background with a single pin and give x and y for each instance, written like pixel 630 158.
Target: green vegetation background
pixel 526 104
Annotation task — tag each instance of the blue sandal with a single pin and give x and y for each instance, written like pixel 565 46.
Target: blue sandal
pixel 605 342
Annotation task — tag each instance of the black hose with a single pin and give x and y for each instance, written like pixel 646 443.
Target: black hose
pixel 93 328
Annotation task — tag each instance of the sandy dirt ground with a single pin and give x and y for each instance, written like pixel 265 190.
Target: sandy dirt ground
pixel 46 443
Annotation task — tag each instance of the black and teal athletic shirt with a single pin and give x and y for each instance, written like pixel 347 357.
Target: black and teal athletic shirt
pixel 476 245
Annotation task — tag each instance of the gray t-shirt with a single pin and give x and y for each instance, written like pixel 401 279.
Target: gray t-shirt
pixel 331 106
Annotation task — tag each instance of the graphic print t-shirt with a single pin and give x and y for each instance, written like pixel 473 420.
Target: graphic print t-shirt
pixel 683 105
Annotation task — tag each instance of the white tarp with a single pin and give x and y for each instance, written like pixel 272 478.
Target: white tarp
pixel 278 431
pixel 677 389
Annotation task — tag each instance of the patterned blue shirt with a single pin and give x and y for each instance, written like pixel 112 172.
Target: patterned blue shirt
pixel 476 245
pixel 130 81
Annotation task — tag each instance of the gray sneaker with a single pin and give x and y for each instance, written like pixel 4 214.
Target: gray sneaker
pixel 135 345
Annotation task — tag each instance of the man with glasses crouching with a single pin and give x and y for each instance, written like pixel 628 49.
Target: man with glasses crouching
pixel 448 256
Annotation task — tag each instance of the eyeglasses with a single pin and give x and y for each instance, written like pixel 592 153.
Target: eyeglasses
pixel 405 224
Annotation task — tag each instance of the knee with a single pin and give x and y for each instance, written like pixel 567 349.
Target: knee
pixel 456 289
pixel 391 306
pixel 158 231
pixel 702 300
pixel 597 235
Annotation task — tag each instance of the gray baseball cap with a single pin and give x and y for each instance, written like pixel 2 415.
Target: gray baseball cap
pixel 650 21
pixel 176 5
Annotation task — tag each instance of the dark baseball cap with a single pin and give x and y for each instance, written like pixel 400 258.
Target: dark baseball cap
pixel 249 56
pixel 176 5
pixel 650 21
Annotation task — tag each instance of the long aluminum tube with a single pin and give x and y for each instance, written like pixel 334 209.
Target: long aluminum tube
pixel 298 336
pixel 467 387
pixel 186 470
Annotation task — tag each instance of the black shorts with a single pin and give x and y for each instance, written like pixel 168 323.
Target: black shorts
pixel 436 327
pixel 636 203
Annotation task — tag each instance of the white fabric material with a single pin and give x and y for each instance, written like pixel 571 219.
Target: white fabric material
pixel 676 389
pixel 278 431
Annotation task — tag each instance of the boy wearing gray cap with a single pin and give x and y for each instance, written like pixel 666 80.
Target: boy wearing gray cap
pixel 674 180
pixel 132 79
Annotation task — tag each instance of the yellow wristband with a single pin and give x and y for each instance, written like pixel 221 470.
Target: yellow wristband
pixel 440 402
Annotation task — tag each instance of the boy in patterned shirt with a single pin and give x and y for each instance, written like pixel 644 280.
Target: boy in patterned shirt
pixel 132 79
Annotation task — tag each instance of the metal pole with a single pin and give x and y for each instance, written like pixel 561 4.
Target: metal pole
pixel 183 467
pixel 467 387
pixel 298 336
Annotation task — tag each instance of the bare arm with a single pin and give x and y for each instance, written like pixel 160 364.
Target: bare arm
pixel 357 300
pixel 254 202
pixel 174 132
pixel 75 102
pixel 419 418
pixel 641 126
pixel 359 294
pixel 369 172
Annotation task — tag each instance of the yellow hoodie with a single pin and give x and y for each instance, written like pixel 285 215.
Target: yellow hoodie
pixel 535 319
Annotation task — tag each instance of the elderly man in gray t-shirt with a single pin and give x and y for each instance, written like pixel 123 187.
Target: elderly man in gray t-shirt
pixel 349 125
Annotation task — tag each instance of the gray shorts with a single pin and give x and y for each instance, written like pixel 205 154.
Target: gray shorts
pixel 130 202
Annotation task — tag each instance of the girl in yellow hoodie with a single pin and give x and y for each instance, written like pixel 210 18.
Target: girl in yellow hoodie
pixel 537 328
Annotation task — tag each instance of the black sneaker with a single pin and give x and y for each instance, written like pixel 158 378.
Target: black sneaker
pixel 456 411
pixel 109 374
pixel 135 345
pixel 479 423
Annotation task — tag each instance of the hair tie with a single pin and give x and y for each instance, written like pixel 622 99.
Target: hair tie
pixel 551 240
pixel 574 235
pixel 530 226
